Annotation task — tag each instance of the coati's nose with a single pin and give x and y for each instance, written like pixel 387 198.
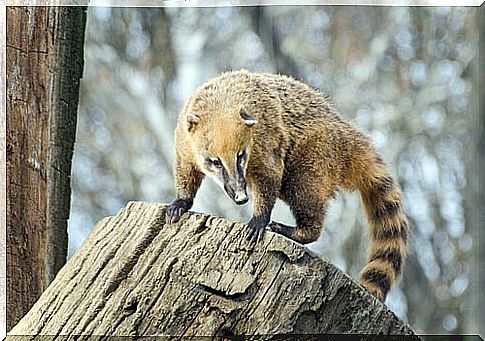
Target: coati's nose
pixel 241 198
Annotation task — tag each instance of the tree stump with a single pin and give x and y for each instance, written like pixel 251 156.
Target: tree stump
pixel 134 275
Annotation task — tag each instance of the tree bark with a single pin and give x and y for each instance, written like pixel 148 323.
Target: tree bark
pixel 44 67
pixel 134 275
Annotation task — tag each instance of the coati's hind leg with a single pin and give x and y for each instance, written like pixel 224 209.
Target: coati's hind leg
pixel 308 208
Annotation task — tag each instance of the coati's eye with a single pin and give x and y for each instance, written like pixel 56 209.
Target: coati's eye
pixel 215 162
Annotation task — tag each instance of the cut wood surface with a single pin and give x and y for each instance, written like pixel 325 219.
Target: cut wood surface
pixel 134 275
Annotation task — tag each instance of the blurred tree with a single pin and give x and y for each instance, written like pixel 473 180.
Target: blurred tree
pixel 478 306
pixel 264 26
pixel 44 67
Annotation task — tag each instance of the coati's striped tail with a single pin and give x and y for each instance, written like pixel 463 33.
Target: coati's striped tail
pixel 389 227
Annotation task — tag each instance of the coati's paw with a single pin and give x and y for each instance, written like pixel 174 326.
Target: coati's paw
pixel 254 230
pixel 302 235
pixel 176 209
pixel 279 228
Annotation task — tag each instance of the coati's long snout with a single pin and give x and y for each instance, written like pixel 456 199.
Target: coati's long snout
pixel 235 186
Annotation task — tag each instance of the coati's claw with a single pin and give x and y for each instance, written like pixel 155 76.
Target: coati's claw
pixel 254 230
pixel 253 234
pixel 176 210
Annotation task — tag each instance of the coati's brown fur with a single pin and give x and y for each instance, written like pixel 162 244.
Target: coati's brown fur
pixel 299 150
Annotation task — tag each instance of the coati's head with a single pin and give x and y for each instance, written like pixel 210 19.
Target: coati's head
pixel 222 145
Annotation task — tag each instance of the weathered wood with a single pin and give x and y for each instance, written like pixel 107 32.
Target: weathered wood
pixel 136 276
pixel 44 67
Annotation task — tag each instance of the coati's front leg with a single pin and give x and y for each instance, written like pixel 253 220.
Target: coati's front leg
pixel 188 179
pixel 264 198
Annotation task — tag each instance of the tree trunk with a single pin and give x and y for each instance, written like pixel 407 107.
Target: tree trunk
pixel 136 276
pixel 44 66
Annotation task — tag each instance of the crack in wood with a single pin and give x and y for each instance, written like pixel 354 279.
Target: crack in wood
pixel 25 51
pixel 202 226
pixel 240 296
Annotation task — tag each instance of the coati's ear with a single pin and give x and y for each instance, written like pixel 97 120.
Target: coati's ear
pixel 192 120
pixel 248 119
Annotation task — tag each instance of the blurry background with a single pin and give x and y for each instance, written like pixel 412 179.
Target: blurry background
pixel 406 76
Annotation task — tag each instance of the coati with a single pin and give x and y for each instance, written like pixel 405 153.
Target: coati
pixel 284 139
